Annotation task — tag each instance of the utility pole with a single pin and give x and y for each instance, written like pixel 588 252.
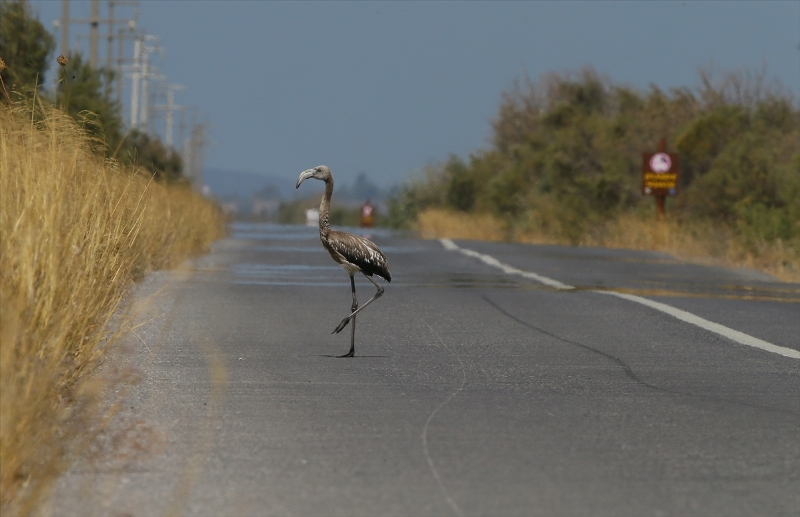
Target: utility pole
pixel 182 130
pixel 187 159
pixel 198 143
pixel 110 44
pixel 144 61
pixel 111 22
pixel 137 55
pixel 148 74
pixel 94 22
pixel 140 76
pixel 193 153
pixel 170 108
pixel 109 47
pixel 123 34
pixel 93 27
pixel 188 154
pixel 158 87
pixel 65 27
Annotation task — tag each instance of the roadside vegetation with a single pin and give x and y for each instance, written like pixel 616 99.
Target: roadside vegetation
pixel 294 212
pixel 86 209
pixel 564 167
pixel 77 230
pixel 27 51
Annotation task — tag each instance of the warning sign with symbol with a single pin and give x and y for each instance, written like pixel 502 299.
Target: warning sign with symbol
pixel 660 174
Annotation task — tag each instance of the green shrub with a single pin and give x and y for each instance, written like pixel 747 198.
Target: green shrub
pixel 566 157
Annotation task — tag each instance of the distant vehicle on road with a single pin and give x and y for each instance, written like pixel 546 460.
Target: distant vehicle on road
pixel 312 217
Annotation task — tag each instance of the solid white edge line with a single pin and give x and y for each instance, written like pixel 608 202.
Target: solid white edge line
pixel 511 270
pixel 688 317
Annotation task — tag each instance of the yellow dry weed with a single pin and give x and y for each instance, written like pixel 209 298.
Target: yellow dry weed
pixel 77 230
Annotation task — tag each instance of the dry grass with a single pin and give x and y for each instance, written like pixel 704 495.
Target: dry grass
pixel 77 231
pixel 435 223
pixel 701 243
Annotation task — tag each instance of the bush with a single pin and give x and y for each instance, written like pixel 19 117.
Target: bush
pixel 566 158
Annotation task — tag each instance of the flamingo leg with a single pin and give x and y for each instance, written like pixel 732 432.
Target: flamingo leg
pixel 353 307
pixel 352 316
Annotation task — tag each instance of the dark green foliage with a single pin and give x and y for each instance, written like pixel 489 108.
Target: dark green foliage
pixel 417 195
pixel 706 136
pixel 25 46
pixel 80 93
pixel 567 157
pixel 154 157
pixel 341 216
pixel 462 185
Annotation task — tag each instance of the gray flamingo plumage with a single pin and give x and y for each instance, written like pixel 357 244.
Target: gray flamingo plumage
pixel 352 252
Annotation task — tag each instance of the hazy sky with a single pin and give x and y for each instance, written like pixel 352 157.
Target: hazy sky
pixel 387 87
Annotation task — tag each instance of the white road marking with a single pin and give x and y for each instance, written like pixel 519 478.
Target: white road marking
pixel 688 317
pixel 511 270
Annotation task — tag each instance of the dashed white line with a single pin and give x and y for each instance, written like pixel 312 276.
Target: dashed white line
pixel 511 270
pixel 688 317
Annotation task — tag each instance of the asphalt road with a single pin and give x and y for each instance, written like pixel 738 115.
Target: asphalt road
pixel 473 391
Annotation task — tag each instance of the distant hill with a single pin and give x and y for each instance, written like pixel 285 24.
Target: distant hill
pixel 225 184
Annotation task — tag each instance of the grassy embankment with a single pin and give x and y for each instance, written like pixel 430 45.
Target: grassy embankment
pixel 564 167
pixel 77 231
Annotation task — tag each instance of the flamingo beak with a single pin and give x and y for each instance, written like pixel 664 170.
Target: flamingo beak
pixel 308 173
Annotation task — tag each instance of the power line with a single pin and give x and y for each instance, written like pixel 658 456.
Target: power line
pixel 146 81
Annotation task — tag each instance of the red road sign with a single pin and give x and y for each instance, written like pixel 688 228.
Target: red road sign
pixel 660 173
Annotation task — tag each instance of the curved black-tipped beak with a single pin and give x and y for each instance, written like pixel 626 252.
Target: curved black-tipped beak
pixel 308 173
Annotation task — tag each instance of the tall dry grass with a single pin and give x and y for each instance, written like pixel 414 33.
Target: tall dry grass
pixel 77 230
pixel 703 243
pixel 699 242
pixel 435 223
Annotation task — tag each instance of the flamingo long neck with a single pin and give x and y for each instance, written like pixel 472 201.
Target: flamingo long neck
pixel 324 206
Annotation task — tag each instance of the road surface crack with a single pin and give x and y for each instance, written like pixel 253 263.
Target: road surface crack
pixel 450 501
pixel 628 370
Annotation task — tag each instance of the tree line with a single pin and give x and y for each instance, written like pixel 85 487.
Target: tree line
pixel 565 157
